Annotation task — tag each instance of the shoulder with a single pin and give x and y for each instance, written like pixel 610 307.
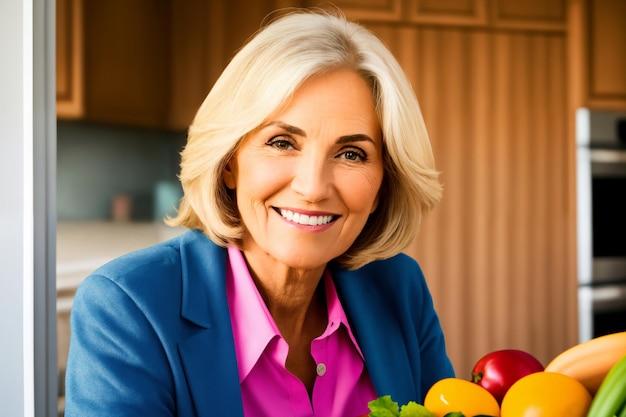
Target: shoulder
pixel 163 257
pixel 393 273
pixel 154 269
pixel 400 262
pixel 163 283
pixel 394 283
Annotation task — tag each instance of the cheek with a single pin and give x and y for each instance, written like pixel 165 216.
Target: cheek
pixel 257 180
pixel 363 190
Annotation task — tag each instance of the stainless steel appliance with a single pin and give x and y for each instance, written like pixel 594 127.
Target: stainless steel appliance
pixel 601 221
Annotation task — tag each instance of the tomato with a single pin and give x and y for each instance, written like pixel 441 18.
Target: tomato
pixel 546 394
pixel 455 394
pixel 498 370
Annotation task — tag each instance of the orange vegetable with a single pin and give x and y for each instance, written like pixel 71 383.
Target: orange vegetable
pixel 546 394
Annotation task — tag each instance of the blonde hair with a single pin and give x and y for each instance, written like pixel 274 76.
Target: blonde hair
pixel 260 79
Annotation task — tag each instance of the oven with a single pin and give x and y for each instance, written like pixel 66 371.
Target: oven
pixel 601 221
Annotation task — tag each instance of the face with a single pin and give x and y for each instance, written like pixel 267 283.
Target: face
pixel 308 178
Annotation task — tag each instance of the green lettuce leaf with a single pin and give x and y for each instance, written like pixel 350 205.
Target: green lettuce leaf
pixel 384 406
pixel 413 409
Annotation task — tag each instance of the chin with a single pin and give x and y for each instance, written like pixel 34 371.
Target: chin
pixel 304 261
pixel 305 264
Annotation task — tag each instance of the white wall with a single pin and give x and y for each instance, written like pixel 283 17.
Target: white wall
pixel 27 141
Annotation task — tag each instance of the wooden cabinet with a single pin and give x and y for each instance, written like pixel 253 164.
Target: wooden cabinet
pixel 127 61
pixel 113 61
pixel 69 59
pixel 147 63
pixel 505 14
pixel 460 12
pixel 597 62
pixel 150 63
pixel 606 52
pixel 141 63
pixel 376 10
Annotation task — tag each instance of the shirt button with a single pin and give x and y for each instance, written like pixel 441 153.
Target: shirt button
pixel 321 369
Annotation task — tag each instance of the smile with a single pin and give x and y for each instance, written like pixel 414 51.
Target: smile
pixel 305 219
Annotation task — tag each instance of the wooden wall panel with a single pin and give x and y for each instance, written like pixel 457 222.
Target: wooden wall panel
pixel 496 252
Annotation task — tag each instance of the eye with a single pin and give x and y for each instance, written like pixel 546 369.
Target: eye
pixel 354 154
pixel 281 143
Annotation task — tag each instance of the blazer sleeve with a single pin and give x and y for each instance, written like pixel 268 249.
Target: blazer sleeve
pixel 115 357
pixel 435 362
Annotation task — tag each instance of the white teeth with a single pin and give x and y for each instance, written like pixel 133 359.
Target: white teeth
pixel 304 218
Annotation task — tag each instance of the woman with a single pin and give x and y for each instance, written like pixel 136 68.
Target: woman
pixel 306 172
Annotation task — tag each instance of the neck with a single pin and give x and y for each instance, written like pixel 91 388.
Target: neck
pixel 296 299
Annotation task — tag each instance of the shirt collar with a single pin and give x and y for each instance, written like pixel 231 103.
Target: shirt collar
pixel 253 326
pixel 336 313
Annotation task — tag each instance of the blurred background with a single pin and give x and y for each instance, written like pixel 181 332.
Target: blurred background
pixel 500 83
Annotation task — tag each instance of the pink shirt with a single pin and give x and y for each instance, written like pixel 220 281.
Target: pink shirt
pixel 343 387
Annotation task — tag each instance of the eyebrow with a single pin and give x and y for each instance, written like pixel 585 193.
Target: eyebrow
pixel 289 128
pixel 357 137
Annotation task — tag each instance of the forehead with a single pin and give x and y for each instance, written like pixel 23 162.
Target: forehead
pixel 340 96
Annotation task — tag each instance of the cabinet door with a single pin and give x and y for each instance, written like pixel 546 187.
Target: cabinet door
pixel 534 15
pixel 372 10
pixel 457 12
pixel 194 57
pixel 607 53
pixel 543 15
pixel 69 59
pixel 127 61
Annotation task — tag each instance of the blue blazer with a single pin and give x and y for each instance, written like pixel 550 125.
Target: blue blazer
pixel 151 333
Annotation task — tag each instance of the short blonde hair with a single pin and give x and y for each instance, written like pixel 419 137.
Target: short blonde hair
pixel 260 79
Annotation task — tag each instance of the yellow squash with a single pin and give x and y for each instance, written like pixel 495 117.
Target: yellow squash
pixel 589 362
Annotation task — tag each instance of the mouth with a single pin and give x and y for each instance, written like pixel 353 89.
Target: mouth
pixel 305 219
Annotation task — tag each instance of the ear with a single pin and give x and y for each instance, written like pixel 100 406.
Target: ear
pixel 228 175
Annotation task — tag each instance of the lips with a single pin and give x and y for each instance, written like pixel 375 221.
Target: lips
pixel 305 219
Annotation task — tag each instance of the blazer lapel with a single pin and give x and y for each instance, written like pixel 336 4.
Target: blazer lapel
pixel 377 329
pixel 211 376
pixel 208 356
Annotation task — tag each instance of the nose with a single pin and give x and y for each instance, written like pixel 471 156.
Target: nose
pixel 313 177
